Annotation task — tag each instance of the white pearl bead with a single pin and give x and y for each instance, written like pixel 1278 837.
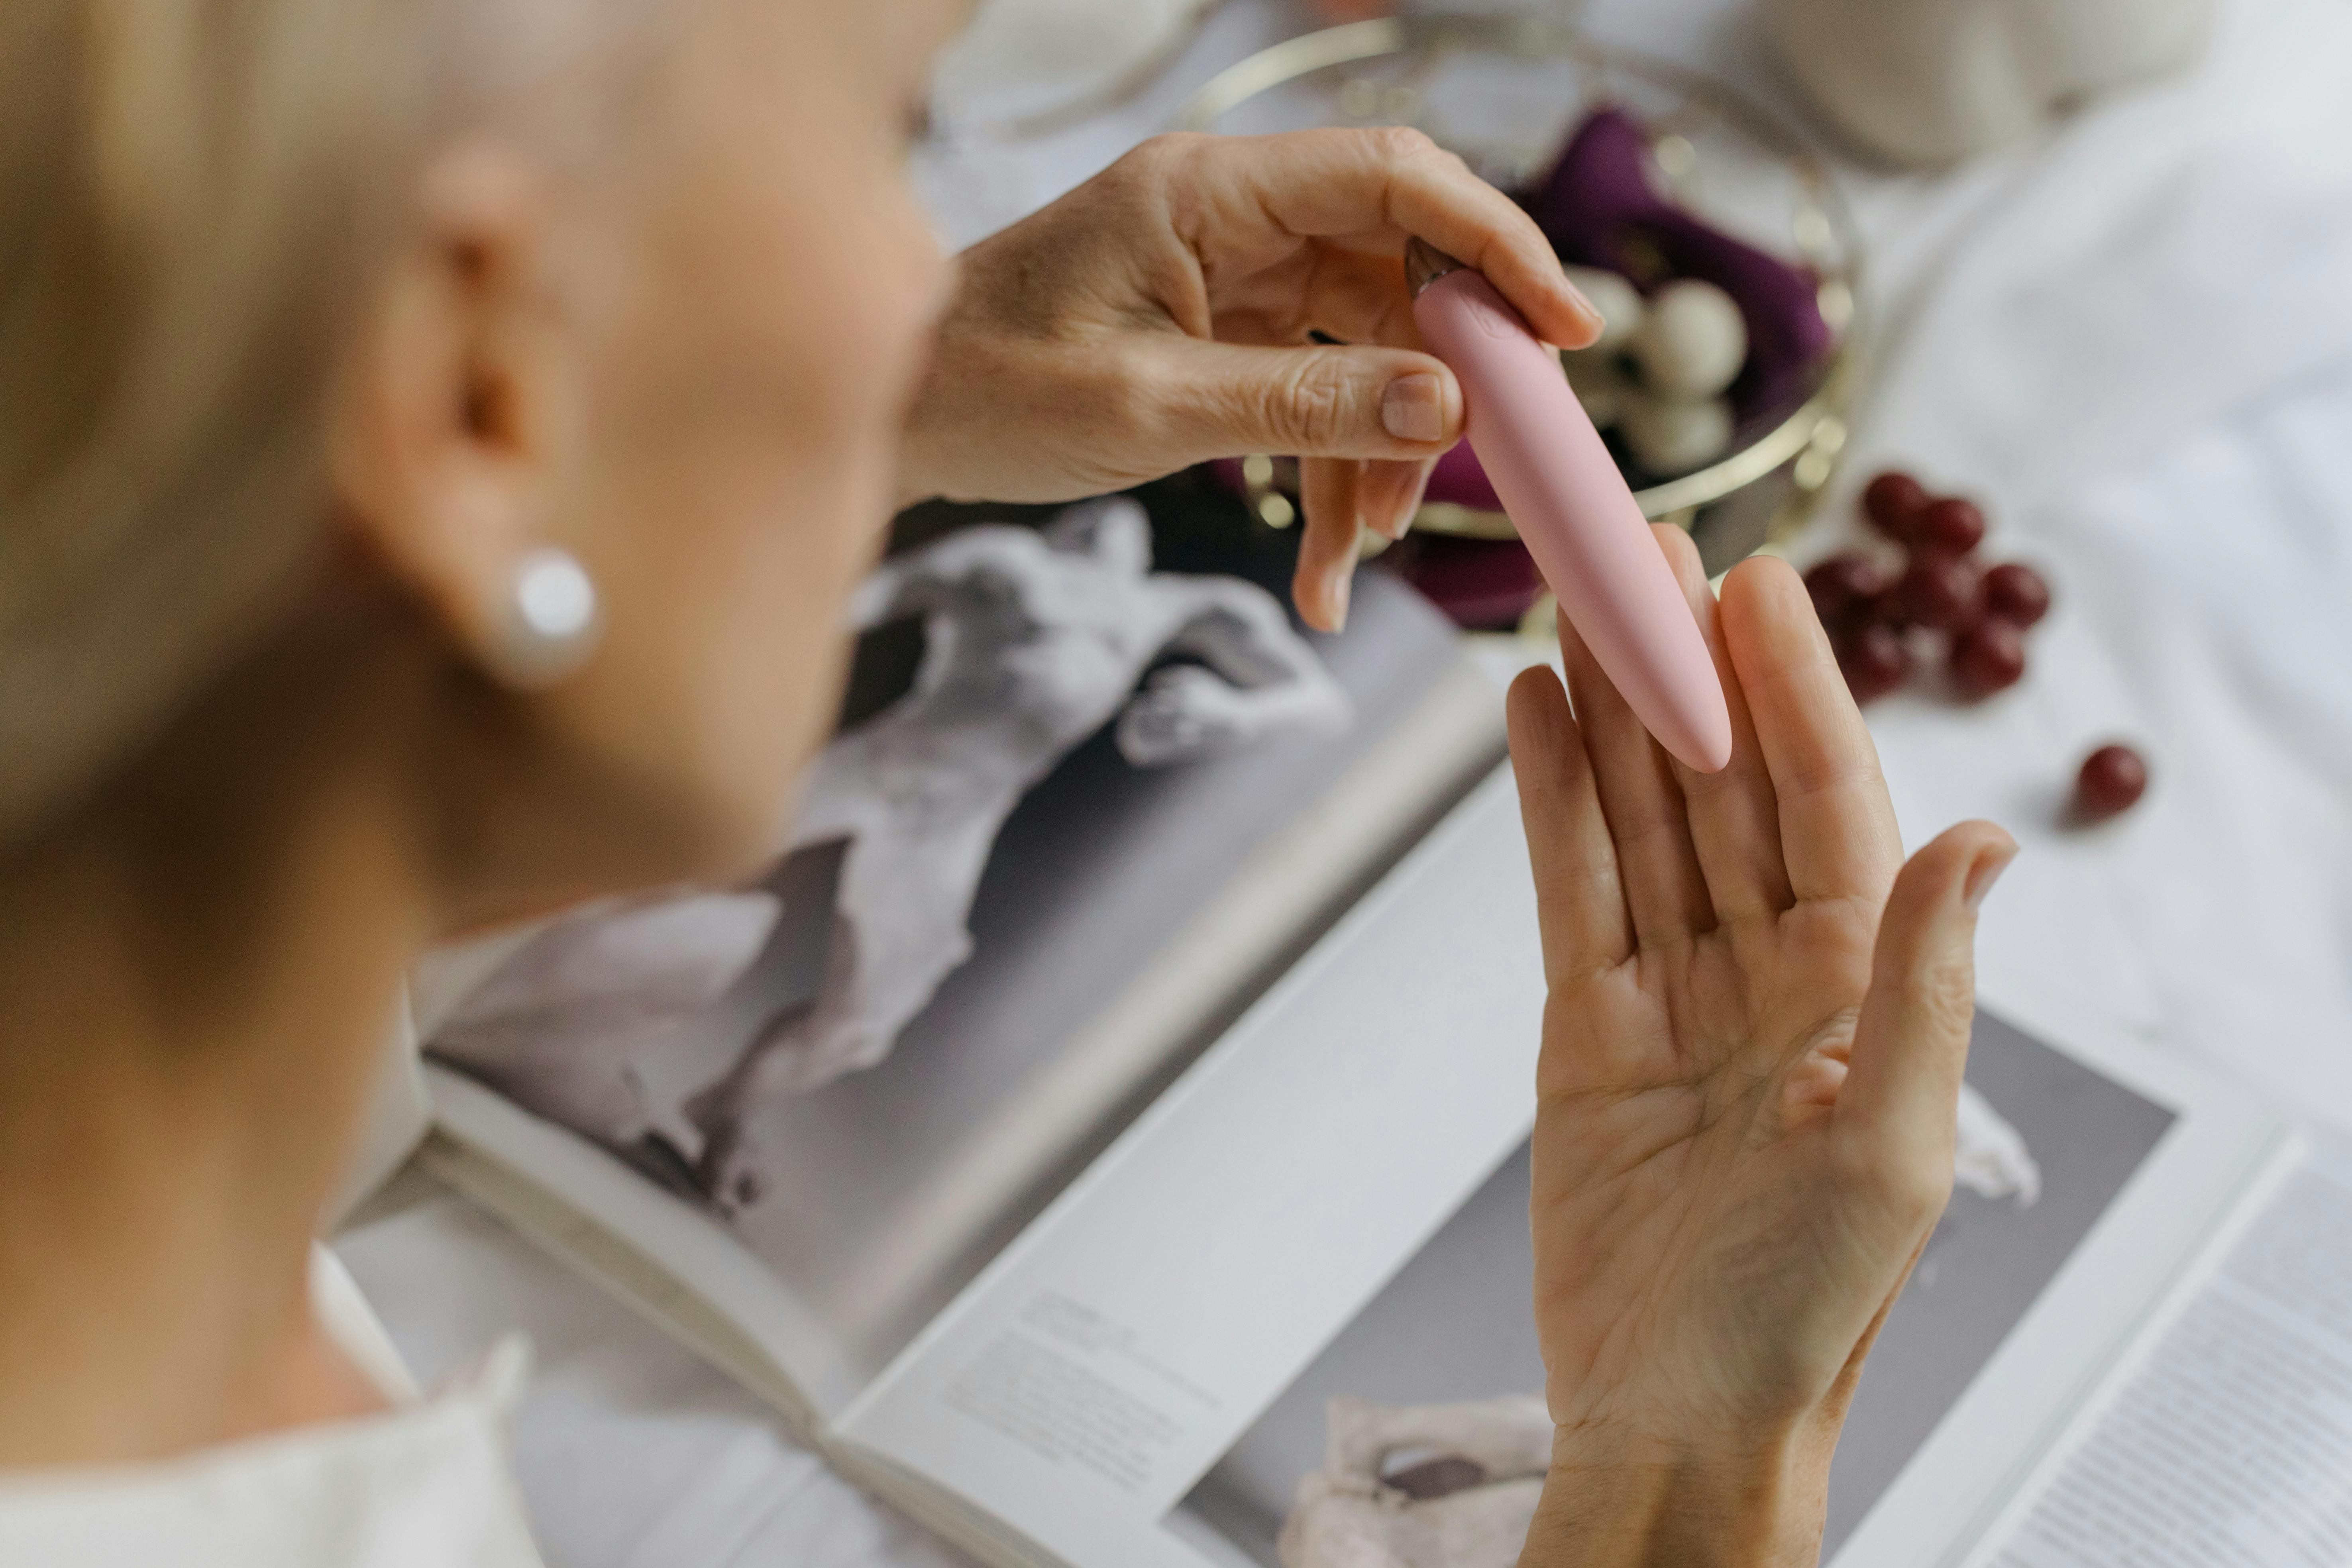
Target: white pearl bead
pixel 1673 437
pixel 1618 302
pixel 1692 341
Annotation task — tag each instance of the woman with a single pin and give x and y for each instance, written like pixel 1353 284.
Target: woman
pixel 429 427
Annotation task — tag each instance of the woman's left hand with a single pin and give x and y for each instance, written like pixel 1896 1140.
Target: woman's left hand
pixel 1753 1049
pixel 1160 315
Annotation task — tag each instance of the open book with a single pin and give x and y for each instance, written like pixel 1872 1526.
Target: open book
pixel 1113 1297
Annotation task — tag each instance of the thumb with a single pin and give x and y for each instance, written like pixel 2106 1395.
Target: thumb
pixel 1900 1098
pixel 1334 400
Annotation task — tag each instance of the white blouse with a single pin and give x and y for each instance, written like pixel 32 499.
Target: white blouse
pixel 427 1482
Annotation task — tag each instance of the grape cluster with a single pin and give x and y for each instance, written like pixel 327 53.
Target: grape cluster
pixel 1941 602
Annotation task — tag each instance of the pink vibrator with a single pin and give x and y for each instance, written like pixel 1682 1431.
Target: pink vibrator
pixel 1572 509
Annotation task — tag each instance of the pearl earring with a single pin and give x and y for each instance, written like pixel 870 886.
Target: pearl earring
pixel 551 620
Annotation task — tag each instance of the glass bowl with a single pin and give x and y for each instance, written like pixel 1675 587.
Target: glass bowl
pixel 1506 94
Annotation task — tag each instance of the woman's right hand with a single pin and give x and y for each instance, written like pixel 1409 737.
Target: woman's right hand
pixel 1166 312
pixel 1751 1059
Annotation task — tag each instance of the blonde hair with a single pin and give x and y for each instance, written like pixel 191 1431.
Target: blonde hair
pixel 192 194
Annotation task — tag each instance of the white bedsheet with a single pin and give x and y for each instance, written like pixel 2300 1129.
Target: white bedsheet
pixel 2134 342
pixel 2138 352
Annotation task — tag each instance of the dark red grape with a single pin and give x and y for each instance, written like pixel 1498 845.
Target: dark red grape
pixel 2016 594
pixel 1943 593
pixel 1890 500
pixel 2111 783
pixel 1950 526
pixel 1988 658
pixel 1874 662
pixel 1842 588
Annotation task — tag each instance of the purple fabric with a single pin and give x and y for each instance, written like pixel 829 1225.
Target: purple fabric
pixel 1458 478
pixel 1598 209
pixel 1482 584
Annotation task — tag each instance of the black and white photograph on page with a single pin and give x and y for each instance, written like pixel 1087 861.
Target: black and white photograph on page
pixel 1419 1434
pixel 1066 733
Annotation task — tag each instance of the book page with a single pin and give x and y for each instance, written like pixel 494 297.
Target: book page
pixel 1448 1351
pixel 1118 918
pixel 1073 1404
pixel 2229 1444
pixel 643 1244
pixel 1083 1383
pixel 2223 1145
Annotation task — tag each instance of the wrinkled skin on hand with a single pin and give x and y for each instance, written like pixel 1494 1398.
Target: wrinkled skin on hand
pixel 1753 1046
pixel 1159 316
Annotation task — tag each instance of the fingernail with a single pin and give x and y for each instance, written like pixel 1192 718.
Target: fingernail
pixel 1413 408
pixel 1985 873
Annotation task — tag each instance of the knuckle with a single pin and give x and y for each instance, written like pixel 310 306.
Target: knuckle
pixel 1155 159
pixel 1402 143
pixel 1944 998
pixel 1309 404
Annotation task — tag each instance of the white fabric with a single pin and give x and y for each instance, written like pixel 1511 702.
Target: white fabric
pixel 427 1482
pixel 2138 352
pixel 2134 341
pixel 2206 618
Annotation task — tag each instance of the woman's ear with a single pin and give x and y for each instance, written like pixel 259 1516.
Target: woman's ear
pixel 458 420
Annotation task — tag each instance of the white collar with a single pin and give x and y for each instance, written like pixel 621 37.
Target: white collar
pixel 427 1481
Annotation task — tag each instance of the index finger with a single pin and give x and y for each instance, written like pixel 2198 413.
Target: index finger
pixel 1371 189
pixel 1838 837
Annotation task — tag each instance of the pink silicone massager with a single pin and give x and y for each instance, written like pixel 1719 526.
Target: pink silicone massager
pixel 1572 509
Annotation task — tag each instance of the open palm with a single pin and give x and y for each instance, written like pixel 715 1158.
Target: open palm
pixel 1753 1045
